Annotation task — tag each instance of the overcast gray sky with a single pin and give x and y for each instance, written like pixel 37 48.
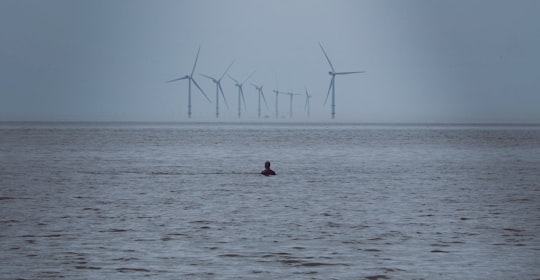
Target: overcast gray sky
pixel 426 61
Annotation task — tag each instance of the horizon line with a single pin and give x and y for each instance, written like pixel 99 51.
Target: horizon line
pixel 271 122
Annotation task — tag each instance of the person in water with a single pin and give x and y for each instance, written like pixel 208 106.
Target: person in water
pixel 267 171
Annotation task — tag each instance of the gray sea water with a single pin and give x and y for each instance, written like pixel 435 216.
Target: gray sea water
pixel 186 201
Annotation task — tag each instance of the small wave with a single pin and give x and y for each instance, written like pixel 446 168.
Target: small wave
pixel 372 250
pixel 377 277
pixel 12 198
pixel 115 230
pixel 132 269
pixel 47 235
pixel 440 245
pixel 315 264
pixel 513 230
pixel 50 275
pixel 232 256
pixel 296 262
pixel 126 259
pixel 439 251
pixel 87 267
pixel 9 221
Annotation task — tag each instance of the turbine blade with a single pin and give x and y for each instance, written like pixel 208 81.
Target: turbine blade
pixel 183 78
pixel 329 62
pixel 226 70
pixel 329 88
pixel 345 73
pixel 195 64
pixel 243 99
pixel 232 78
pixel 201 90
pixel 248 77
pixel 206 76
pixel 264 99
pixel 222 94
pixel 307 99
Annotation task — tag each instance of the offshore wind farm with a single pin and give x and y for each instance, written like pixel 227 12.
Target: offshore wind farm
pixel 259 88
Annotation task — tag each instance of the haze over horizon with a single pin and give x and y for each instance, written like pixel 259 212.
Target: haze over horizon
pixel 425 61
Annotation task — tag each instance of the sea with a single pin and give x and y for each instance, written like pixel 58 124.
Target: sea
pixel 349 201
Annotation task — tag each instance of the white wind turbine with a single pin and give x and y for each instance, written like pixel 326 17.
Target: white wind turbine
pixel 219 88
pixel 306 107
pixel 277 92
pixel 191 79
pixel 290 94
pixel 260 91
pixel 332 87
pixel 241 92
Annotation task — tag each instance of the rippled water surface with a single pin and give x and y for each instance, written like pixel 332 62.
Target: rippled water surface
pixel 186 201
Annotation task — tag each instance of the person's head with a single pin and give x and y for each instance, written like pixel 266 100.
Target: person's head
pixel 267 165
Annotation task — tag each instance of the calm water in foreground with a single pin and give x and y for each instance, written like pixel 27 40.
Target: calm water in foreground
pixel 185 201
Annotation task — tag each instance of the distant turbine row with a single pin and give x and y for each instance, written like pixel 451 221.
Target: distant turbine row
pixel 259 88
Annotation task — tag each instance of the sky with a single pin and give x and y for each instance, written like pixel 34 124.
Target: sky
pixel 463 61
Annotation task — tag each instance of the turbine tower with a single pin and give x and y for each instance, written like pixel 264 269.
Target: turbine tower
pixel 191 79
pixel 277 92
pixel 241 92
pixel 332 87
pixel 290 94
pixel 219 88
pixel 260 91
pixel 306 107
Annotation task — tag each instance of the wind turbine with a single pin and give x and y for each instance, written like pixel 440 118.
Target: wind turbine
pixel 260 90
pixel 191 79
pixel 306 107
pixel 290 94
pixel 332 87
pixel 241 92
pixel 277 92
pixel 219 88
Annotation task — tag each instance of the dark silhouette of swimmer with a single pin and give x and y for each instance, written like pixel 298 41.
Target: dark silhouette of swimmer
pixel 267 171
